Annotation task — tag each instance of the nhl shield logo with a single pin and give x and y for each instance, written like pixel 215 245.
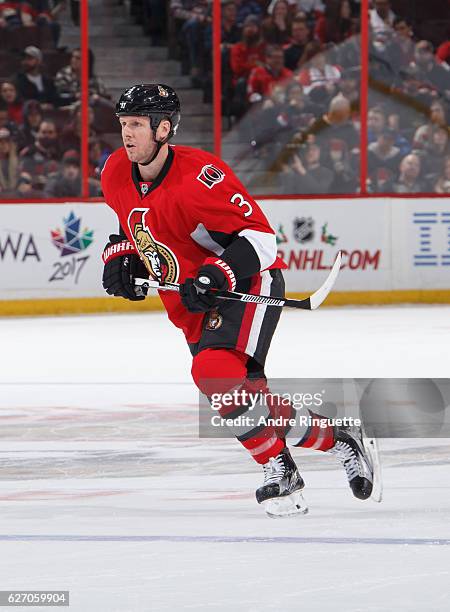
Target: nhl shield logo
pixel 163 92
pixel 303 229
pixel 144 188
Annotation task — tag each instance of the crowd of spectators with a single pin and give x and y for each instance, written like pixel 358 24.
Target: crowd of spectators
pixel 291 91
pixel 291 83
pixel 40 123
pixel 35 21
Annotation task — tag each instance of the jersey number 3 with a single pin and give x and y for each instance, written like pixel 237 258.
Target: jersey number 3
pixel 238 199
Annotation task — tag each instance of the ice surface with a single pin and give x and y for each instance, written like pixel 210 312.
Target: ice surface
pixel 107 491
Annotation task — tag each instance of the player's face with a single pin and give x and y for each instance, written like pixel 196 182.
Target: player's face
pixel 137 138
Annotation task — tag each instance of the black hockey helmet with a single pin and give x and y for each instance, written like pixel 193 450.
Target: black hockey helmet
pixel 156 101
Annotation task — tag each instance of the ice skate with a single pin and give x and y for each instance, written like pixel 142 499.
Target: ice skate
pixel 351 450
pixel 281 493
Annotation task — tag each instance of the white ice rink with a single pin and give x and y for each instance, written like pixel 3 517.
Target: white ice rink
pixel 106 490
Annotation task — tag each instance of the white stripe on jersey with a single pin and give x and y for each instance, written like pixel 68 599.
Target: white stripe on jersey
pixel 201 236
pixel 264 244
pixel 255 329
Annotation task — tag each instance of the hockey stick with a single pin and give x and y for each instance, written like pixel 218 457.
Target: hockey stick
pixel 310 303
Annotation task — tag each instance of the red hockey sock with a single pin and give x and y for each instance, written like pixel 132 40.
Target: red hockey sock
pixel 318 437
pixel 219 371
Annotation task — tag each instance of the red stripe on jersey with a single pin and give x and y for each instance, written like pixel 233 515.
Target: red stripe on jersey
pixel 247 319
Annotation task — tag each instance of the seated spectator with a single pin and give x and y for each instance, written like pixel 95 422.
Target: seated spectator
pixel 5 122
pixel 10 96
pixel 42 158
pixel 32 83
pixel 245 8
pixel 195 14
pixel 348 53
pixel 319 77
pixel 443 183
pixel 424 133
pixel 383 159
pixel 68 81
pixel 189 9
pixel 300 36
pixel 44 13
pixel 97 157
pixel 335 25
pixel 10 16
pixel 300 112
pixel 230 33
pixel 434 160
pixel 338 139
pixel 25 189
pixel 71 133
pixel 310 8
pixel 308 175
pixel 409 180
pixel 377 122
pixel 9 164
pixel 268 122
pixel 67 182
pixel 400 49
pixel 263 78
pixel 381 17
pixel 249 52
pixel 427 78
pixel 32 118
pixel 349 86
pixel 276 28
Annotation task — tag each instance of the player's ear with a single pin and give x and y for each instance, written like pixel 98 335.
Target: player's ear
pixel 163 129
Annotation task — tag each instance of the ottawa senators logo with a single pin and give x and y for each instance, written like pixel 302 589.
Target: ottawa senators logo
pixel 215 321
pixel 157 257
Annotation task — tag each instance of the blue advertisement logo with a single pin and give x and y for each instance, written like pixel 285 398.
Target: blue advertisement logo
pixel 430 226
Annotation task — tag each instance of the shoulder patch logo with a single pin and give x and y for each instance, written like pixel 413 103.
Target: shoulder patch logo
pixel 210 176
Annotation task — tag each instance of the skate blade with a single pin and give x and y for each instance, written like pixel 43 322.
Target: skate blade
pixel 371 448
pixel 283 507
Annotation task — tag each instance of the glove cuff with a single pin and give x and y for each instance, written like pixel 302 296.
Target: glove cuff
pixel 117 250
pixel 224 268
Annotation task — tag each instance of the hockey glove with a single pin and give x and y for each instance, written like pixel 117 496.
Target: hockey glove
pixel 196 293
pixel 122 266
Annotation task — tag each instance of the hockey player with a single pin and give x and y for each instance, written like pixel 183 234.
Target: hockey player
pixel 185 218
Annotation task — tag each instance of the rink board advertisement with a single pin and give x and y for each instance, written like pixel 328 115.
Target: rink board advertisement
pixel 311 232
pixel 386 243
pixel 54 250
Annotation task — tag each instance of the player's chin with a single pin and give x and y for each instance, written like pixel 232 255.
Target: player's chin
pixel 132 154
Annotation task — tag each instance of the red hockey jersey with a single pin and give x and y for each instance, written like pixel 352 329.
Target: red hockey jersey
pixel 194 209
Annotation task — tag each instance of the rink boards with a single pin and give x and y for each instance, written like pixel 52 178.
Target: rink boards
pixel 394 250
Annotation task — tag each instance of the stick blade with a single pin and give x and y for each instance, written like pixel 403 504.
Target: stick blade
pixel 318 297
